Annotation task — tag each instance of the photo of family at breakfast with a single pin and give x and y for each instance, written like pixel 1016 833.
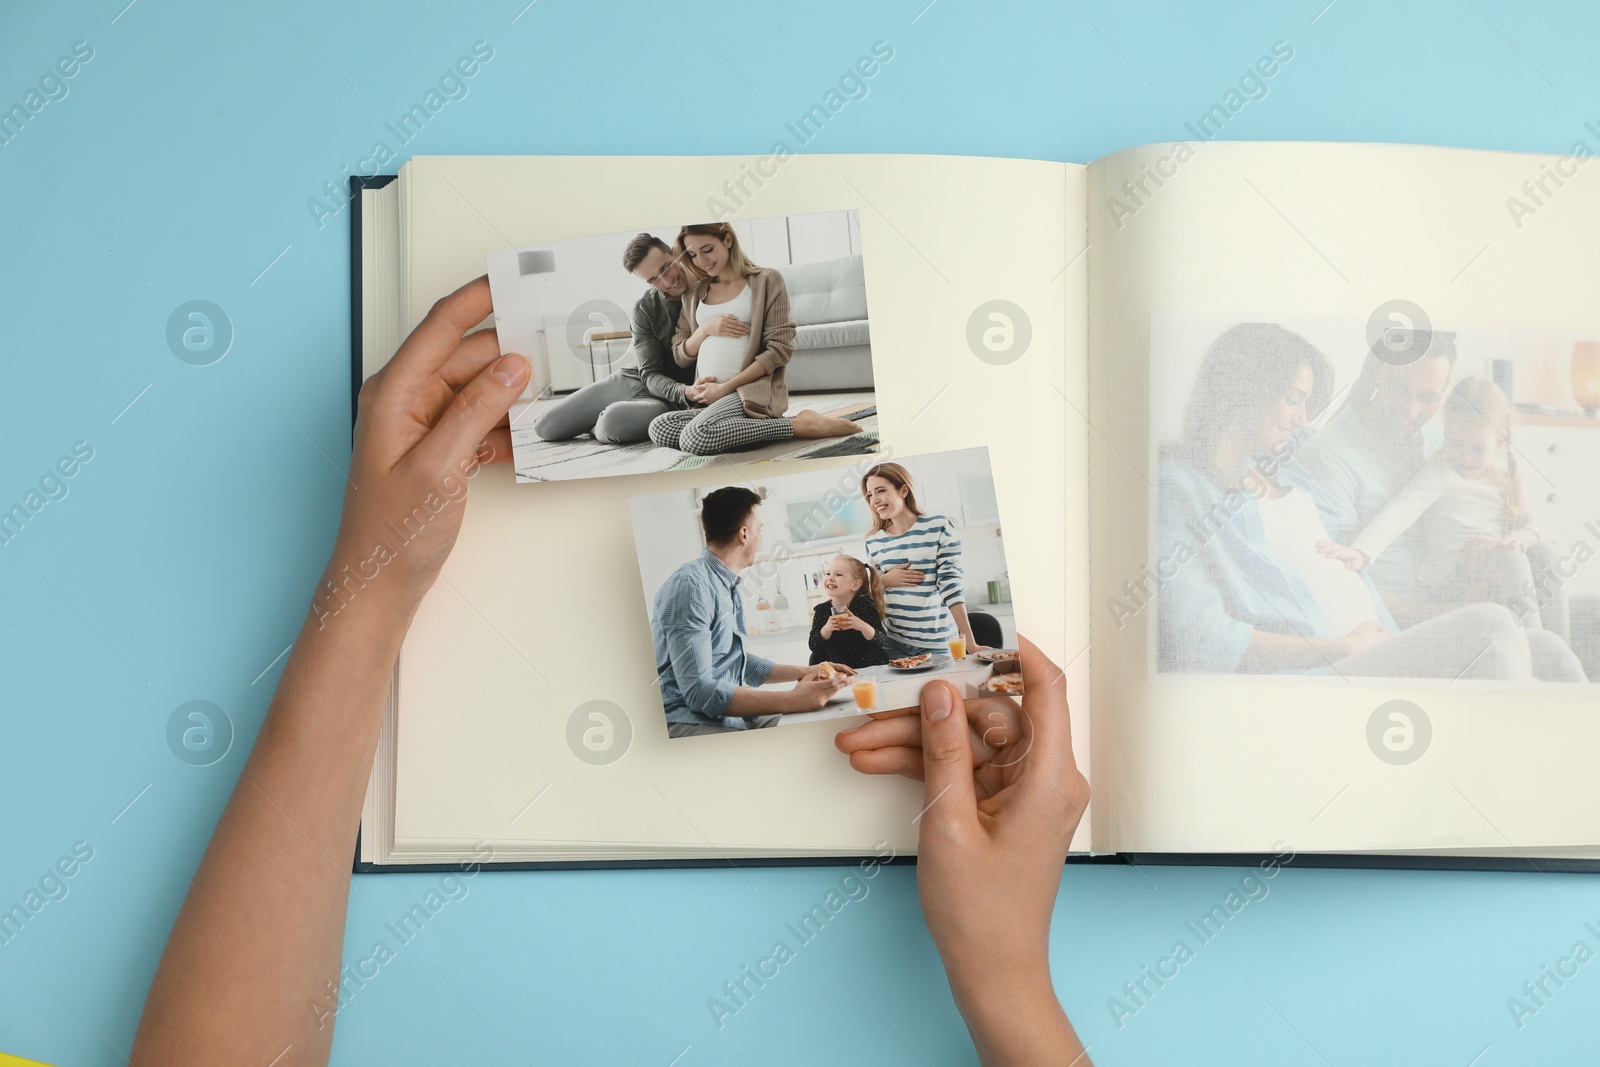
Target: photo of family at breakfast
pixel 1390 501
pixel 687 346
pixel 827 593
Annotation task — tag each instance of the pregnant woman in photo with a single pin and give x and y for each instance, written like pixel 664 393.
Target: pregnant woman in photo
pixel 919 557
pixel 736 332
pixel 1240 524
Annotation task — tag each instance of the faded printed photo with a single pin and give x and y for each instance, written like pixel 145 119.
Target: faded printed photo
pixel 1402 503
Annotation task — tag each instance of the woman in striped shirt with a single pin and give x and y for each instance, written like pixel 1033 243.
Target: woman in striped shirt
pixel 920 558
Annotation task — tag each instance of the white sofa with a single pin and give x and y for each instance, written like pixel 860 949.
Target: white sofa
pixel 832 345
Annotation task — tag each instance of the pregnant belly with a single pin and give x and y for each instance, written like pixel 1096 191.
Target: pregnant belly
pixel 1340 594
pixel 720 357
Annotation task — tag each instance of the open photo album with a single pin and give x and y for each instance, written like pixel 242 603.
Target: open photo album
pixel 1284 453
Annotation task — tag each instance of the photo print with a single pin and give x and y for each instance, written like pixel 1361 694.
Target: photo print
pixel 827 593
pixel 689 345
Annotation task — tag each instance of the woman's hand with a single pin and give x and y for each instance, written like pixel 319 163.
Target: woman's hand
pixel 1361 638
pixel 424 424
pixel 1004 798
pixel 226 991
pixel 1353 558
pixel 692 393
pixel 706 390
pixel 901 575
pixel 726 326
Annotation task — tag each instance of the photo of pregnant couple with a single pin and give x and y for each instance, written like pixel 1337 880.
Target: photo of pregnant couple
pixel 1419 506
pixel 689 346
pixel 826 594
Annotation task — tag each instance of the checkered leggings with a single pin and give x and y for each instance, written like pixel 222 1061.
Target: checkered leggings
pixel 722 427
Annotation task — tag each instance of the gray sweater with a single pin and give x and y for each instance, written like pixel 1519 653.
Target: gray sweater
pixel 655 317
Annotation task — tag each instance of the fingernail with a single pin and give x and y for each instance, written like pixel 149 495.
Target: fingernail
pixel 508 370
pixel 936 701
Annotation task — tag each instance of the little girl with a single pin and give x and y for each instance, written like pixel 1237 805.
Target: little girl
pixel 844 628
pixel 1468 500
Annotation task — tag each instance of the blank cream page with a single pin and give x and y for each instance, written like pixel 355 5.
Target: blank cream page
pixel 539 609
pixel 1319 237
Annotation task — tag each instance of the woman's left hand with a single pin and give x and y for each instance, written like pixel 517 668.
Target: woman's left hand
pixel 424 424
pixel 703 391
pixel 713 391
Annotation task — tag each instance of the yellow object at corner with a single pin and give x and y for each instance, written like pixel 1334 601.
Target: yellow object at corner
pixel 18 1061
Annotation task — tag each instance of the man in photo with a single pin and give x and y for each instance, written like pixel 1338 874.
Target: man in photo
pixel 708 679
pixel 617 410
pixel 1376 443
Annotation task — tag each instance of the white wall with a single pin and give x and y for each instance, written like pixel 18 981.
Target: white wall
pixel 590 268
pixel 958 484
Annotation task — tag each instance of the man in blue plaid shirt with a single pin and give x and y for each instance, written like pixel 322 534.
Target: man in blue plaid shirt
pixel 708 679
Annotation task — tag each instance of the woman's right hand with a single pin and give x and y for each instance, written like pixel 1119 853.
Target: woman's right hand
pixel 726 326
pixel 901 575
pixel 1362 638
pixel 1004 799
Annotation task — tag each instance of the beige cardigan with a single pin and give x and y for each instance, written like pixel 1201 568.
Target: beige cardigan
pixel 771 341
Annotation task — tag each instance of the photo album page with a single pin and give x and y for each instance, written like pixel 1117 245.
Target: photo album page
pixel 792 448
pixel 1345 515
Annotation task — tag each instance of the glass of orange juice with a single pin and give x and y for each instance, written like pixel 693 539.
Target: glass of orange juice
pixel 865 690
pixel 958 648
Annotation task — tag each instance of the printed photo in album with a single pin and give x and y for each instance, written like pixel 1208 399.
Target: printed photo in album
pixel 689 345
pixel 827 593
pixel 1342 506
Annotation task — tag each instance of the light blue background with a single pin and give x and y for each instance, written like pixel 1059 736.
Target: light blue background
pixel 180 564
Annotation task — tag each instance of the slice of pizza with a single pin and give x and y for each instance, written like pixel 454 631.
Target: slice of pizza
pixel 1008 684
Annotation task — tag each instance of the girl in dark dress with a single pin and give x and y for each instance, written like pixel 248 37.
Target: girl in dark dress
pixel 845 627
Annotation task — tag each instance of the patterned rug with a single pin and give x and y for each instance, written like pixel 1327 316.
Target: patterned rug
pixel 556 461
